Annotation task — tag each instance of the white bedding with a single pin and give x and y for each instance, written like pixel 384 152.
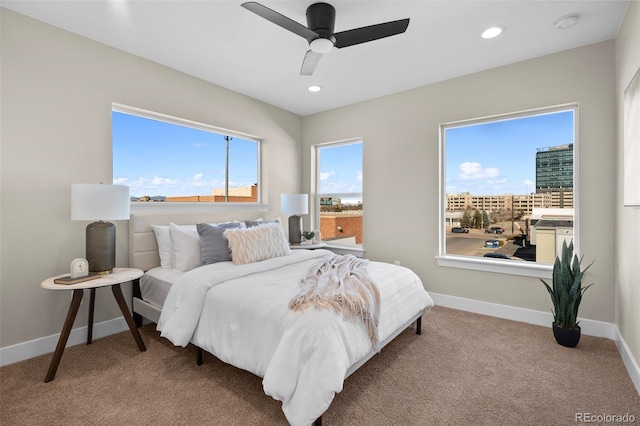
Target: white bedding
pixel 240 314
pixel 156 283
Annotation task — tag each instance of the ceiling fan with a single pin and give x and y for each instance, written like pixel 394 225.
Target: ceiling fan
pixel 319 31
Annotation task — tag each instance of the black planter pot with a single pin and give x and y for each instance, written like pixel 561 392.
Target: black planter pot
pixel 566 336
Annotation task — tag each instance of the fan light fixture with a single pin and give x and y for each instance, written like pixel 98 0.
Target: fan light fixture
pixel 321 45
pixel 319 33
pixel 315 88
pixel 492 32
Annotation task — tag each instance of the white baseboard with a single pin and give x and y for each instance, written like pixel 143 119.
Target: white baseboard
pixel 628 360
pixel 545 319
pixel 45 345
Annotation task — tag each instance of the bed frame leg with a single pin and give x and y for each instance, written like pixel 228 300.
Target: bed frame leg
pixel 318 421
pixel 199 357
pixel 419 326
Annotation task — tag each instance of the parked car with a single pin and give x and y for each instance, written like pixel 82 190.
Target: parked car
pixel 493 230
pixel 497 255
pixel 459 230
pixel 492 243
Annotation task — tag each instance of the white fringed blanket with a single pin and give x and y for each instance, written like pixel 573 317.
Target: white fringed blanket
pixel 341 283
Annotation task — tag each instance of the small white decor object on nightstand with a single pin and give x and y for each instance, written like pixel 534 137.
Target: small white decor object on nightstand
pixel 113 280
pixel 79 268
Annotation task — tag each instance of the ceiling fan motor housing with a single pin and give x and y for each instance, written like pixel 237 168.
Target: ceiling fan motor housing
pixel 321 18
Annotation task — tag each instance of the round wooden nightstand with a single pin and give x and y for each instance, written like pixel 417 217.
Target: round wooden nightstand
pixel 113 280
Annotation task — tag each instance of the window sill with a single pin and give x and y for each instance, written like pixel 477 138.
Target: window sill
pixel 151 207
pixel 356 251
pixel 512 267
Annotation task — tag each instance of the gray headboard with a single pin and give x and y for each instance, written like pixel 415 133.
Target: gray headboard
pixel 143 249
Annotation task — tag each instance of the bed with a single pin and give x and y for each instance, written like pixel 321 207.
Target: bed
pixel 238 310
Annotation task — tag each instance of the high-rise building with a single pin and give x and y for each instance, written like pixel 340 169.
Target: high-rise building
pixel 554 169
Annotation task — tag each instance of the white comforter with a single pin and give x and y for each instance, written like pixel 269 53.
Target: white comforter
pixel 240 314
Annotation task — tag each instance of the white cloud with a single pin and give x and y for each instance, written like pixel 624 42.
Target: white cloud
pixel 120 181
pixel 474 170
pixel 359 176
pixel 198 176
pixel 326 175
pixel 157 180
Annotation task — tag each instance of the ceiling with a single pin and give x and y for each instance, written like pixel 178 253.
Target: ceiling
pixel 222 42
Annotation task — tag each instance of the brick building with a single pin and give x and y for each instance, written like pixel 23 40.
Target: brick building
pixel 338 225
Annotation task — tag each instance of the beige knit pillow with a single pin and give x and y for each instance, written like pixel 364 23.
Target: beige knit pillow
pixel 257 243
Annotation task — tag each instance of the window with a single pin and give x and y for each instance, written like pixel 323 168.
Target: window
pixel 338 193
pixel 167 159
pixel 509 183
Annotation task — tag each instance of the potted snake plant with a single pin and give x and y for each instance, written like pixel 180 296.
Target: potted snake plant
pixel 566 294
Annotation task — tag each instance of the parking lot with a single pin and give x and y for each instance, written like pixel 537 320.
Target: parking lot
pixel 473 243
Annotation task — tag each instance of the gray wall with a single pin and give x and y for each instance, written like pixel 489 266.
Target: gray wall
pixel 57 90
pixel 401 165
pixel 627 245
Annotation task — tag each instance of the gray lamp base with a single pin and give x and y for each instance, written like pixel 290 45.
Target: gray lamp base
pixel 295 229
pixel 101 247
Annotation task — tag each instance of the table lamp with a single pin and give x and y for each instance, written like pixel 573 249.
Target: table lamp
pixel 294 205
pixel 101 203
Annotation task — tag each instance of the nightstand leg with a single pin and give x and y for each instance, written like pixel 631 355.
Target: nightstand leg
pixel 92 303
pixel 64 335
pixel 117 293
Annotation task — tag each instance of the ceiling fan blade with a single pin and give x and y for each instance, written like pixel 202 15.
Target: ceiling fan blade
pixel 310 62
pixel 280 20
pixel 370 33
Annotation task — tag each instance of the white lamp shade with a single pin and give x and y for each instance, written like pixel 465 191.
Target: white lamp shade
pixel 99 202
pixel 294 204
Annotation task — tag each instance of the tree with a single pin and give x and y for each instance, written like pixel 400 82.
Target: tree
pixel 466 219
pixel 485 218
pixel 477 219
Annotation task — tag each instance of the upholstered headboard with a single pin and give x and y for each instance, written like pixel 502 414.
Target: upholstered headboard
pixel 143 249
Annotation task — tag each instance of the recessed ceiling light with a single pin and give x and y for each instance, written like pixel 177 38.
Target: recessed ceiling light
pixel 492 32
pixel 566 22
pixel 315 88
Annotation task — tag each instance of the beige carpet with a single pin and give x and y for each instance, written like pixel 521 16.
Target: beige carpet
pixel 465 369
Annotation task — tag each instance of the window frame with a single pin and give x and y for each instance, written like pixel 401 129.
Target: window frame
pixel 530 269
pixel 315 193
pixel 204 205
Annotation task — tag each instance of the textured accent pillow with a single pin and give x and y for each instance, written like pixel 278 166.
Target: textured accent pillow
pixel 164 245
pixel 262 242
pixel 186 247
pixel 214 247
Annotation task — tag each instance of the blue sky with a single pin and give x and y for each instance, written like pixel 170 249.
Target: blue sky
pixel 500 157
pixel 158 158
pixel 341 169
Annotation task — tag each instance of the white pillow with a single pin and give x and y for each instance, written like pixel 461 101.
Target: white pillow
pixel 258 243
pixel 185 242
pixel 165 249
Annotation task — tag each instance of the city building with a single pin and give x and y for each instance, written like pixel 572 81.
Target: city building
pixel 522 205
pixel 554 169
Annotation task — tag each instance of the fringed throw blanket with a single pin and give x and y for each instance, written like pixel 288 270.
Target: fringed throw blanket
pixel 341 283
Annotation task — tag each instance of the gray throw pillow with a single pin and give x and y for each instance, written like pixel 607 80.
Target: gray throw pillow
pixel 214 247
